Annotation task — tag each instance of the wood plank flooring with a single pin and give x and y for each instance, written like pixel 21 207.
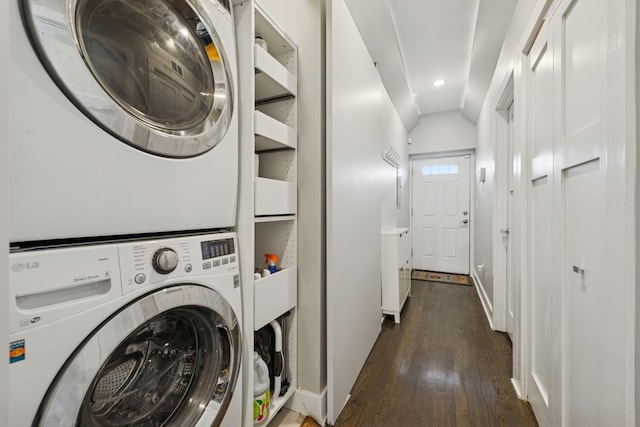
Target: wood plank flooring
pixel 441 366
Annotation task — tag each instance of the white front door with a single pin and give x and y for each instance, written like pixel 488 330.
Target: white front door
pixel 441 215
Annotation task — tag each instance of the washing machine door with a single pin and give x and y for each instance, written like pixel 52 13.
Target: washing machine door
pixel 160 361
pixel 153 72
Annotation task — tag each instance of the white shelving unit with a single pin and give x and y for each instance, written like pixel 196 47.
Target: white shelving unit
pixel 396 271
pixel 267 217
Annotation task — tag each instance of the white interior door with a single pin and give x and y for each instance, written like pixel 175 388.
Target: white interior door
pixel 543 294
pixel 511 234
pixel 581 361
pixel 589 202
pixel 441 216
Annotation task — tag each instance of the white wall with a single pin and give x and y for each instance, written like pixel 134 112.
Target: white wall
pixel 358 126
pixel 486 149
pixel 637 215
pixel 374 22
pixel 447 131
pixel 394 135
pixel 4 227
pixel 304 22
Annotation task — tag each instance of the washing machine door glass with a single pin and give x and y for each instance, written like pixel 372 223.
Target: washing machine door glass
pixel 153 72
pixel 168 367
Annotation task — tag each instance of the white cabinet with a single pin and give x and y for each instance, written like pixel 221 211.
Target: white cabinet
pixel 267 209
pixel 396 271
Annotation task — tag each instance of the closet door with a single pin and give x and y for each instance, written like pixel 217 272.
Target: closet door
pixel 590 101
pixel 544 292
pixel 581 310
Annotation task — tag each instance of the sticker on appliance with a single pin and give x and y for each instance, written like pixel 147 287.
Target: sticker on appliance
pixel 17 351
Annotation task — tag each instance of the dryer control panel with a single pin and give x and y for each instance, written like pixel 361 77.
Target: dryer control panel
pixel 176 259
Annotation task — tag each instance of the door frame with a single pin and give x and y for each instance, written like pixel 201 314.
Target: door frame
pixel 472 198
pixel 512 93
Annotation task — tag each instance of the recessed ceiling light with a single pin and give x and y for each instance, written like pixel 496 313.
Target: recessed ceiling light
pixel 438 82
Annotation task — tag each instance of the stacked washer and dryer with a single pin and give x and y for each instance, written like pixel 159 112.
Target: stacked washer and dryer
pixel 125 299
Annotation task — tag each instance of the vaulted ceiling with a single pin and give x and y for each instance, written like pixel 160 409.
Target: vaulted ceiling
pixel 414 43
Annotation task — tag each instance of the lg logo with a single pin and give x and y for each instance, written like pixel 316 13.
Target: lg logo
pixel 19 266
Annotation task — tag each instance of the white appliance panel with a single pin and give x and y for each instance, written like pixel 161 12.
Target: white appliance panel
pixel 70 178
pixel 56 337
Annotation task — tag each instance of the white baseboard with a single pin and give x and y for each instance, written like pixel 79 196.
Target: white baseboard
pixel 518 388
pixel 311 404
pixel 484 299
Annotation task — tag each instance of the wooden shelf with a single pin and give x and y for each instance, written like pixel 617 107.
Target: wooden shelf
pixel 272 134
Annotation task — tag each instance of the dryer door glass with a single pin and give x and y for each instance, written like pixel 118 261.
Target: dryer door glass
pixel 179 357
pixel 152 72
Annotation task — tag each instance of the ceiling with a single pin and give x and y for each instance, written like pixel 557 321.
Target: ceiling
pixel 416 42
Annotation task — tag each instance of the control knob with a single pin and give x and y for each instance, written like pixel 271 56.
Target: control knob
pixel 165 260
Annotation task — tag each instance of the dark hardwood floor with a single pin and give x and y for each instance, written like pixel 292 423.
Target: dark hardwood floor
pixel 441 366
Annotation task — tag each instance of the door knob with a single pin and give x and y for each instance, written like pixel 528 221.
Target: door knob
pixel 505 232
pixel 465 221
pixel 465 213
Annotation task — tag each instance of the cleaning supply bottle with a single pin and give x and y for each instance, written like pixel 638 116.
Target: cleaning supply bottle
pixel 271 260
pixel 261 390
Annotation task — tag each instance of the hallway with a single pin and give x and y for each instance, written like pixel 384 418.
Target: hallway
pixel 441 366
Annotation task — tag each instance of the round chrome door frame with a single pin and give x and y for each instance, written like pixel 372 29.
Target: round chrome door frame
pixel 54 32
pixel 63 402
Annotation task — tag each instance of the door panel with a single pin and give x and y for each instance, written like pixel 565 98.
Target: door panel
pixel 593 356
pixel 582 34
pixel 512 237
pixel 582 278
pixel 543 291
pixel 441 214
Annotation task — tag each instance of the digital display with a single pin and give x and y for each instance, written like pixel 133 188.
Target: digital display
pixel 216 248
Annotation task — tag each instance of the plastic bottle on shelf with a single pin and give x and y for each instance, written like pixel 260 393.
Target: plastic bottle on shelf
pixel 261 398
pixel 272 262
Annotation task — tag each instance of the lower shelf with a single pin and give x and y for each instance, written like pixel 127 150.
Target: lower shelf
pixel 277 404
pixel 275 295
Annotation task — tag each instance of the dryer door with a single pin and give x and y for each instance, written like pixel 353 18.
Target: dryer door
pixel 152 73
pixel 159 361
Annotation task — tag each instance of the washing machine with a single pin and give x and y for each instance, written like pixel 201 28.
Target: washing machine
pixel 144 333
pixel 123 117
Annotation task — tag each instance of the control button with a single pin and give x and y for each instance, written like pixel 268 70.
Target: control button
pixel 140 278
pixel 206 265
pixel 165 260
pixel 188 268
pixel 216 263
pixel 225 261
pixel 236 281
pixel 233 258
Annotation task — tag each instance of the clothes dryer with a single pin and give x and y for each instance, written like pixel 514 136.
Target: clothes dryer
pixel 135 333
pixel 122 117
